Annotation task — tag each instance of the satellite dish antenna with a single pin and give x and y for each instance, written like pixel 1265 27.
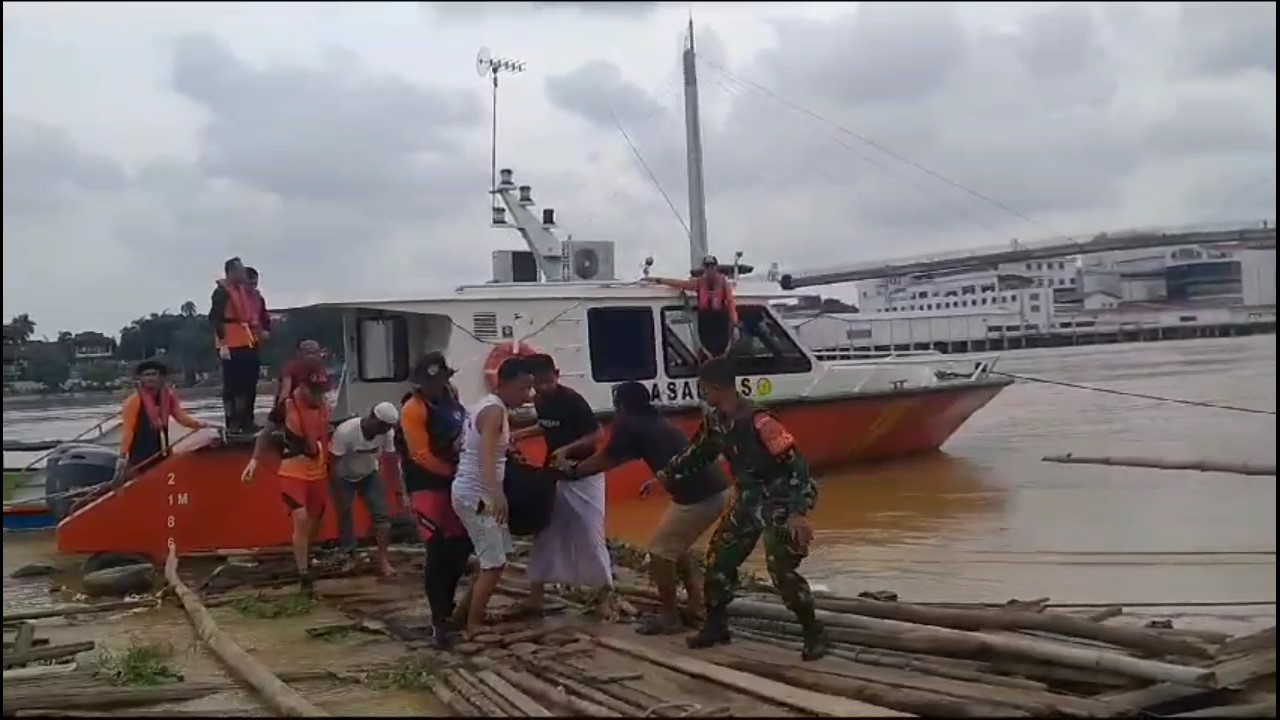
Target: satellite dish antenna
pixel 484 62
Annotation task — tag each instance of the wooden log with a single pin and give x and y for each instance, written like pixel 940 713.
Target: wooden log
pixel 1146 641
pixel 102 696
pixel 25 636
pixel 1231 672
pixel 1249 643
pixel 566 679
pixel 1222 466
pixel 69 610
pixel 44 654
pixel 527 705
pixel 918 702
pixel 537 688
pixel 282 698
pixel 474 694
pixel 1260 709
pixel 504 706
pixel 1017 647
pixel 762 688
pixel 451 700
pixel 39 671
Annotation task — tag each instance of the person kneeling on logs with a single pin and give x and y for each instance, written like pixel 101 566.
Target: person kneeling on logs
pixel 640 432
pixel 144 421
pixel 431 420
pixel 303 418
pixel 775 495
pixel 717 310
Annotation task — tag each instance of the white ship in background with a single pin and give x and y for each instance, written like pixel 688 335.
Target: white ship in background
pixel 1142 294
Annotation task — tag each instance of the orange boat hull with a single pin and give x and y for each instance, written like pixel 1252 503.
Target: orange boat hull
pixel 196 502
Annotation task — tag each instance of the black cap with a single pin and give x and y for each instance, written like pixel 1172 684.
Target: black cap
pixel 151 364
pixel 710 260
pixel 432 366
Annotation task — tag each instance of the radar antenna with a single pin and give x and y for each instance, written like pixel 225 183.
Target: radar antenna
pixel 487 64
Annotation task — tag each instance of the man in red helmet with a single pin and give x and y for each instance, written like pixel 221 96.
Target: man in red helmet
pixel 717 311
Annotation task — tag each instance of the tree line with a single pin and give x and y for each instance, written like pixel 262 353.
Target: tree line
pixel 184 339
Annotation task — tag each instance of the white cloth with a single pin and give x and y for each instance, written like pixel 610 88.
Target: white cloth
pixel 572 550
pixel 466 481
pixel 357 455
pixel 387 413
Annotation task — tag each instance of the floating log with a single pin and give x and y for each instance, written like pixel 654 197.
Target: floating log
pixel 455 702
pixel 768 690
pixel 989 645
pixel 49 652
pixel 527 705
pixel 39 671
pixel 13 618
pixel 1235 468
pixel 24 638
pixel 564 676
pixel 470 689
pixel 1231 672
pixel 1261 709
pixel 532 685
pixel 906 700
pixel 280 696
pixel 1249 643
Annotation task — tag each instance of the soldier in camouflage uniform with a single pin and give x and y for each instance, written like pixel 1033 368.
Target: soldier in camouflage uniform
pixel 774 495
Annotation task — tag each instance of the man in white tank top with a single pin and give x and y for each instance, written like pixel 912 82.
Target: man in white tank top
pixel 477 491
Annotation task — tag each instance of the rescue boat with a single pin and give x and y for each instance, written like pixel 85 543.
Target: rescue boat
pixel 560 297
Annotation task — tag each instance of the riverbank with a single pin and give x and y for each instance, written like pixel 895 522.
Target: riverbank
pixel 360 648
pixel 89 398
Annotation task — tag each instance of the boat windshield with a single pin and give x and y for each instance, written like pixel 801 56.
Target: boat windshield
pixel 763 347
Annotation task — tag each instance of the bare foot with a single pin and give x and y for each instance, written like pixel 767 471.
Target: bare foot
pixel 386 570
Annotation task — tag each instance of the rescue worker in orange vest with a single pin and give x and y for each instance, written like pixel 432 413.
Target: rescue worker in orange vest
pixel 144 420
pixel 237 315
pixel 716 308
pixel 303 419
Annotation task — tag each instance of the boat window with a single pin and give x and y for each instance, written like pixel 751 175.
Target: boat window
pixel 763 347
pixel 383 343
pixel 622 344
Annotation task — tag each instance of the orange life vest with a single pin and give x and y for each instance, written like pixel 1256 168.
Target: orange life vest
pixel 306 440
pixel 243 316
pixel 713 294
pixel 158 409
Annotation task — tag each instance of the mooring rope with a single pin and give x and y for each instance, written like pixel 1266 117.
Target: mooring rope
pixel 1140 396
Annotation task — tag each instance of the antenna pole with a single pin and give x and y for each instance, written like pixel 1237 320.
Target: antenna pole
pixel 693 150
pixel 493 143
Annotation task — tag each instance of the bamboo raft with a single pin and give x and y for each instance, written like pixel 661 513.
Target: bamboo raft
pixel 888 658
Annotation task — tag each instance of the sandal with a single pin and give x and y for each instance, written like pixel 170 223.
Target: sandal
pixel 655 625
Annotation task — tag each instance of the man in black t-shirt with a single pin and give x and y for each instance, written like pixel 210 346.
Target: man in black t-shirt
pixel 572 549
pixel 640 433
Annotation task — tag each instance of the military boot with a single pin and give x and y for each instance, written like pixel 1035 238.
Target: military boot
pixel 714 631
pixel 815 642
pixel 440 639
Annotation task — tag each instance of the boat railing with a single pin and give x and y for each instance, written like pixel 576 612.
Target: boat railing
pixel 100 426
pixel 939 368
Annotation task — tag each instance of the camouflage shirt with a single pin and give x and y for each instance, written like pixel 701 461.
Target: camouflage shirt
pixel 762 456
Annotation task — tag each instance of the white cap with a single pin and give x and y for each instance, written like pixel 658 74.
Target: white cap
pixel 387 413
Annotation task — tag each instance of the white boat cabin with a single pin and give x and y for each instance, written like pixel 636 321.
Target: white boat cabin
pixel 601 334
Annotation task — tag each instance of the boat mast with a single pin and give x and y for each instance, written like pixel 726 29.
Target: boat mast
pixel 693 151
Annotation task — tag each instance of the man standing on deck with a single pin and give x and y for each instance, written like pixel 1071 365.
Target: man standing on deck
pixel 717 311
pixel 357 450
pixel 236 317
pixel 775 495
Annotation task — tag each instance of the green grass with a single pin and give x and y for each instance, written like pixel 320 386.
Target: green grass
pixel 141 664
pixel 269 608
pixel 411 673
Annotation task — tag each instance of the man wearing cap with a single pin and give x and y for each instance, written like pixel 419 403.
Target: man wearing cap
pixel 303 421
pixel 716 308
pixel 144 420
pixel 429 440
pixel 354 467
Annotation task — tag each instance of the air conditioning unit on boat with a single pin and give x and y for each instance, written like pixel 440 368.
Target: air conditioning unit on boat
pixel 514 266
pixel 587 260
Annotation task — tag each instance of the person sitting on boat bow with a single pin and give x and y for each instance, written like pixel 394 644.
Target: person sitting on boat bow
pixel 144 420
pixel 717 311
pixel 429 441
pixel 303 420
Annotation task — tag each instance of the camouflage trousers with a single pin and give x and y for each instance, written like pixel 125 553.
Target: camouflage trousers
pixel 733 542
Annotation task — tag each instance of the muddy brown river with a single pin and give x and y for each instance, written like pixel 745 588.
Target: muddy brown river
pixel 986 520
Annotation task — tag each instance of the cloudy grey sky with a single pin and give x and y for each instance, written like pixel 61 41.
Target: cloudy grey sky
pixel 342 148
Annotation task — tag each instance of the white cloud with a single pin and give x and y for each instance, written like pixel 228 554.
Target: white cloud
pixel 342 148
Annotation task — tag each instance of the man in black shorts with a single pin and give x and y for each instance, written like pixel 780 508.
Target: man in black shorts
pixel 641 433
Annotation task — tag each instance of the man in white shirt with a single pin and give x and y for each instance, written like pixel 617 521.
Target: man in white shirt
pixel 357 448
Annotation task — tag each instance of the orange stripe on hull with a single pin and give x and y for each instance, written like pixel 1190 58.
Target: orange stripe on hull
pixel 196 498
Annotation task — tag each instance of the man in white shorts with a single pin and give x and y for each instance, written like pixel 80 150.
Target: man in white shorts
pixel 477 492
pixel 357 448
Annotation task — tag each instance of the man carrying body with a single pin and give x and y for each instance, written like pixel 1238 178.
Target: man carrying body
pixel 717 310
pixel 236 317
pixel 430 434
pixel 572 550
pixel 357 448
pixel 640 432
pixel 775 495
pixel 477 493
pixel 303 419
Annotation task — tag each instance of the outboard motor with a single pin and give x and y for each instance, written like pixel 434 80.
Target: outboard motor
pixel 75 466
pixel 531 495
